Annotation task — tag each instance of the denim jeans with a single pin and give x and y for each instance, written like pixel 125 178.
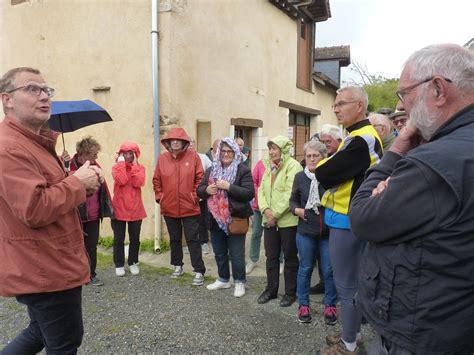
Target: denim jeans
pixel 308 248
pixel 256 239
pixel 225 246
pixel 55 324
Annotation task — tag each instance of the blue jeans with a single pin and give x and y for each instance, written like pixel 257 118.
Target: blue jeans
pixel 256 239
pixel 307 251
pixel 225 246
pixel 55 324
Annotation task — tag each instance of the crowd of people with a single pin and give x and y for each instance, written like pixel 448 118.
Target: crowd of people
pixel 383 209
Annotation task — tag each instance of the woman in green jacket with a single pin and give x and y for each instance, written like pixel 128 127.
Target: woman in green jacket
pixel 278 221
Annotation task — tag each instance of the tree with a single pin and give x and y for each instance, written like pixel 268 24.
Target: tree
pixel 381 90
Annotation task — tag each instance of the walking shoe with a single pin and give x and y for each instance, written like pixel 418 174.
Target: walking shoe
pixel 317 289
pixel 120 271
pixel 265 297
pixel 135 269
pixel 217 285
pixel 330 315
pixel 249 267
pixel 282 268
pixel 198 279
pixel 336 339
pixel 239 289
pixel 339 349
pixel 95 281
pixel 304 314
pixel 178 272
pixel 205 248
pixel 287 301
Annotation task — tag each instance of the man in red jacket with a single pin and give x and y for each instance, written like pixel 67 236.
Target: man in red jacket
pixel 43 261
pixel 177 175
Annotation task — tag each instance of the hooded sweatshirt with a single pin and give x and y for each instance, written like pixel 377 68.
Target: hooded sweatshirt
pixel 177 177
pixel 274 193
pixel 129 178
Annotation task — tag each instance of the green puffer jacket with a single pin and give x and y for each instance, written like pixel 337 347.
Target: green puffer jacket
pixel 277 197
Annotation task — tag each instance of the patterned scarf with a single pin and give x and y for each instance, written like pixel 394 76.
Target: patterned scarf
pixel 218 204
pixel 313 199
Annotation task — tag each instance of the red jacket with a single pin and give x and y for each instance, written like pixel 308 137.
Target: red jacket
pixel 176 179
pixel 41 241
pixel 128 181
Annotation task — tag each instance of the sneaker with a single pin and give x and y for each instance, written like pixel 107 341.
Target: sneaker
pixel 249 267
pixel 217 285
pixel 336 339
pixel 304 314
pixel 198 279
pixel 178 272
pixel 185 250
pixel 135 269
pixel 239 290
pixel 339 349
pixel 282 268
pixel 95 281
pixel 120 271
pixel 330 315
pixel 205 248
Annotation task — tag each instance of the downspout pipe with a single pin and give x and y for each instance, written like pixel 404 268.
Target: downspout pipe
pixel 156 111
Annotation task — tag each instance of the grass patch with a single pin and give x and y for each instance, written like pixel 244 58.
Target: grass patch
pixel 148 245
pixel 106 242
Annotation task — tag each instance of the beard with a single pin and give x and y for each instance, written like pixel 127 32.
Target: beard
pixel 423 119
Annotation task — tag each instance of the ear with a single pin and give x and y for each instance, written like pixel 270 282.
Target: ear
pixel 6 100
pixel 440 87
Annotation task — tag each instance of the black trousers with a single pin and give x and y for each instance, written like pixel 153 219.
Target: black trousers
pixel 91 239
pixel 55 324
pixel 190 225
pixel 204 220
pixel 275 240
pixel 119 238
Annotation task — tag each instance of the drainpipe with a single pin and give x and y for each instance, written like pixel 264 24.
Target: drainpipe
pixel 156 112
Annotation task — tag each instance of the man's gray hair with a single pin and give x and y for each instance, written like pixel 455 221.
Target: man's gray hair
pixel 9 76
pixel 316 145
pixel 449 60
pixel 357 92
pixel 331 130
pixel 381 119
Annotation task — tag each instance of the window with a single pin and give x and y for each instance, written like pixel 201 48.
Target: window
pixel 299 124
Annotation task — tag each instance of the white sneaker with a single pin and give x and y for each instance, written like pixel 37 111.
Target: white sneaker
pixel 178 272
pixel 239 289
pixel 135 269
pixel 249 267
pixel 120 271
pixel 205 248
pixel 216 285
pixel 282 268
pixel 198 279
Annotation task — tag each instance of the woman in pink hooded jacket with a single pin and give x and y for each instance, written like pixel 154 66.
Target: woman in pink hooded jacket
pixel 129 177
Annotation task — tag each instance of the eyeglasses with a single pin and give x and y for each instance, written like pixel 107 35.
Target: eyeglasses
pixel 227 152
pixel 402 92
pixel 312 156
pixel 341 104
pixel 34 90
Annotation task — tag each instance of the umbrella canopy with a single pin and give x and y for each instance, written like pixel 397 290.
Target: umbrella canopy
pixel 68 116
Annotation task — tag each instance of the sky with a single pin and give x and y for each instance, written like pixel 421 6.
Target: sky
pixel 383 33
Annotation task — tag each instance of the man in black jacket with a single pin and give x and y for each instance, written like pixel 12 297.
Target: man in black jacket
pixel 417 276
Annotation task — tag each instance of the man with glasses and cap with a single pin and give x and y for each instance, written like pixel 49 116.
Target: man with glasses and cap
pixel 399 119
pixel 42 255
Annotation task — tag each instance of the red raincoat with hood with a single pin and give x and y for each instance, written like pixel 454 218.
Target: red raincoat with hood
pixel 176 178
pixel 128 181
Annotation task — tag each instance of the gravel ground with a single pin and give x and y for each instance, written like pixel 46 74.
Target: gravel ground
pixel 152 313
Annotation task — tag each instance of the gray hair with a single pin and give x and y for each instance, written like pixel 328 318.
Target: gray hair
pixel 7 78
pixel 449 60
pixel 316 145
pixel 357 92
pixel 382 120
pixel 331 130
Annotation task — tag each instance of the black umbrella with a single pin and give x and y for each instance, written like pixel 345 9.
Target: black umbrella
pixel 69 116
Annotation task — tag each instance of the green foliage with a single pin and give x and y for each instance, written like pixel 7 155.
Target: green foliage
pixel 145 245
pixel 382 94
pixel 106 242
